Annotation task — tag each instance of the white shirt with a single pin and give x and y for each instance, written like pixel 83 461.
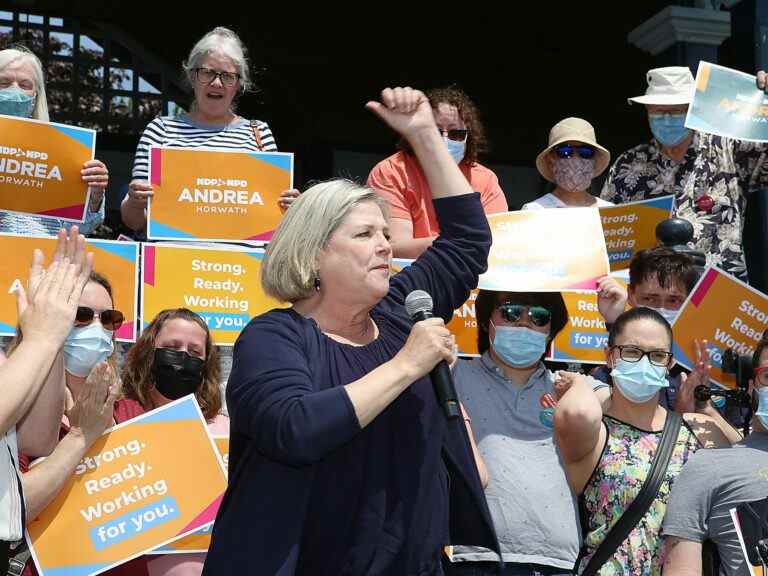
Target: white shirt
pixel 10 499
pixel 552 201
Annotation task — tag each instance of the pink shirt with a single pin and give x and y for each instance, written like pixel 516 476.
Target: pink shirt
pixel 400 180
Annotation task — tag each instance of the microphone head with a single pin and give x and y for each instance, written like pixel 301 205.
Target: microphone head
pixel 418 301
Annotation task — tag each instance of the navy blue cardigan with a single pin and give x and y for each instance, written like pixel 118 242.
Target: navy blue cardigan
pixel 310 492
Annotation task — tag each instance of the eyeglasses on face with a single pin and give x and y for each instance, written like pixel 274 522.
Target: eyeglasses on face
pixel 458 135
pixel 207 76
pixel 630 353
pixel 568 151
pixel 110 319
pixel 538 315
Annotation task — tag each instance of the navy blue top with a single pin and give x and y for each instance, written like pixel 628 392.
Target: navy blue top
pixel 310 492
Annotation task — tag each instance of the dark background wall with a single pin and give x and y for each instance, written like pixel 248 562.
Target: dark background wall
pixel 527 65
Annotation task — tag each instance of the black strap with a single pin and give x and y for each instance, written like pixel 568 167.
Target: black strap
pixel 644 498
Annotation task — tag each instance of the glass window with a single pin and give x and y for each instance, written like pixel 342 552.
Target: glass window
pixel 61 43
pixel 120 78
pixel 89 47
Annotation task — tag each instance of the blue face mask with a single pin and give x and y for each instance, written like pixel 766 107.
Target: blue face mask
pixel 762 406
pixel 85 347
pixel 15 102
pixel 668 129
pixel 456 149
pixel 518 346
pixel 669 315
pixel 639 381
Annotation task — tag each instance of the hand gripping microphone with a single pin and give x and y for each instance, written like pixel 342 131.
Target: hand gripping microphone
pixel 418 304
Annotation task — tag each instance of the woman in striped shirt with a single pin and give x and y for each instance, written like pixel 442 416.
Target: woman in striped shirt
pixel 217 70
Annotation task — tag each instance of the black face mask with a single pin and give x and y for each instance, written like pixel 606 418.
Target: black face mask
pixel 176 373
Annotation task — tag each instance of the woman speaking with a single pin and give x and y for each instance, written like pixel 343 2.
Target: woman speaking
pixel 341 460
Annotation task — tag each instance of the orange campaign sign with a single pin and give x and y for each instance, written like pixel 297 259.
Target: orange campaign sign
pixel 464 323
pixel 222 285
pixel 200 541
pixel 726 312
pixel 40 164
pixel 133 491
pixel 631 227
pixel 546 251
pixel 203 194
pixel 116 261
pixel 584 337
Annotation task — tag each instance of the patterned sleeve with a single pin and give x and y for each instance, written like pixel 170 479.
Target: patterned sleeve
pixel 610 191
pixel 93 219
pixel 153 135
pixel 751 160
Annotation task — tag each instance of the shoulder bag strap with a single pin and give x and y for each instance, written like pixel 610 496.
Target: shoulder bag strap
pixel 257 134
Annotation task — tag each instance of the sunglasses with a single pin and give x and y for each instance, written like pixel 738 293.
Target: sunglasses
pixel 110 319
pixel 538 315
pixel 458 135
pixel 568 150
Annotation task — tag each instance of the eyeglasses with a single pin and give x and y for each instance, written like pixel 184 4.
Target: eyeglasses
pixel 538 315
pixel 635 354
pixel 110 319
pixel 568 150
pixel 458 135
pixel 207 76
pixel 761 375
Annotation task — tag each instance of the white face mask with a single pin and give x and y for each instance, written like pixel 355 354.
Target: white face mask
pixel 85 347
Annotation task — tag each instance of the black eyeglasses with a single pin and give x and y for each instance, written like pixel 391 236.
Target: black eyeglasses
pixel 110 319
pixel 635 354
pixel 458 135
pixel 207 76
pixel 538 315
pixel 568 150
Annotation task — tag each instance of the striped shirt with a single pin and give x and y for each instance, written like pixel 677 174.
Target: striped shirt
pixel 182 132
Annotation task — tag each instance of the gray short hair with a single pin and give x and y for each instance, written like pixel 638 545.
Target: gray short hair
pixel 223 41
pixel 19 52
pixel 290 263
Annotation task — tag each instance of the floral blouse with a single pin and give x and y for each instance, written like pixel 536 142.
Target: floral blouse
pixel 616 481
pixel 710 185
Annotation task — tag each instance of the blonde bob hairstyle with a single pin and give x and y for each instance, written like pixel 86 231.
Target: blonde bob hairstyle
pixel 18 52
pixel 290 262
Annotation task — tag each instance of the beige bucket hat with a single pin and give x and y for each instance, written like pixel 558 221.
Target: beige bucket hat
pixel 577 130
pixel 671 85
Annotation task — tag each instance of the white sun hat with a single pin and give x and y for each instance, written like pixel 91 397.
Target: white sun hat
pixel 670 85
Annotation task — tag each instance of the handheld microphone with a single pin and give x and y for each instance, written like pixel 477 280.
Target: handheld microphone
pixel 702 393
pixel 418 304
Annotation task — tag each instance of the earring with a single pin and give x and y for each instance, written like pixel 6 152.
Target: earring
pixel 317 283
